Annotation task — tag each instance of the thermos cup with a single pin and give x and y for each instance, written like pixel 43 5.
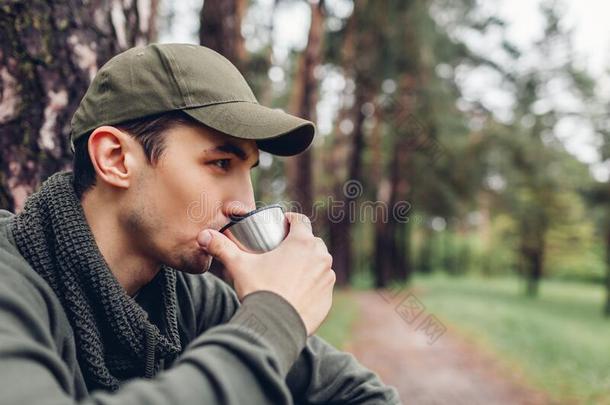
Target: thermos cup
pixel 258 231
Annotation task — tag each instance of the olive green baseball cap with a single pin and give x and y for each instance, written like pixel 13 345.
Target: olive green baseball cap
pixel 161 78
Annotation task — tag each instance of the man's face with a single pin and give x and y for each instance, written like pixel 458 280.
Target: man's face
pixel 201 178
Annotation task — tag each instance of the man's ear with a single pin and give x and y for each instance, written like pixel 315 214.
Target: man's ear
pixel 113 155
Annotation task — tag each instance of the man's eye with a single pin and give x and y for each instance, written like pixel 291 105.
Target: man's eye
pixel 222 163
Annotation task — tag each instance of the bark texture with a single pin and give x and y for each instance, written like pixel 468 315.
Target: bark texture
pixel 49 53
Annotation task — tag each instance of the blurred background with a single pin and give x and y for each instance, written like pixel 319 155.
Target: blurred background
pixel 460 175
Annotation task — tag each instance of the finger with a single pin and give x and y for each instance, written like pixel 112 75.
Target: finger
pixel 219 246
pixel 300 225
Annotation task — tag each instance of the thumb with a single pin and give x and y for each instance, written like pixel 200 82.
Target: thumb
pixel 218 246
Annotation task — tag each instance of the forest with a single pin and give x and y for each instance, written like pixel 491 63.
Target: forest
pixel 444 162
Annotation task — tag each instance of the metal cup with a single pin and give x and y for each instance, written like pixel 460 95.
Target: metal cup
pixel 258 231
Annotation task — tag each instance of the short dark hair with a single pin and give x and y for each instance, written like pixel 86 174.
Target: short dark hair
pixel 148 131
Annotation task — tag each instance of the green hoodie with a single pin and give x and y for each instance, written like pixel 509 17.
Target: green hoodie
pixel 253 352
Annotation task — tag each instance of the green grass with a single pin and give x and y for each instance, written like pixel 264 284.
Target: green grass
pixel 338 325
pixel 559 341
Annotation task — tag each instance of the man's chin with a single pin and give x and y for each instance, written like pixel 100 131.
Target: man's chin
pixel 196 264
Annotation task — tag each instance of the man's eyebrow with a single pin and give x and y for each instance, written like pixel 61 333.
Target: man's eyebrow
pixel 233 149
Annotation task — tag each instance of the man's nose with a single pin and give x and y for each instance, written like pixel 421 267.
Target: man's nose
pixel 238 208
pixel 239 201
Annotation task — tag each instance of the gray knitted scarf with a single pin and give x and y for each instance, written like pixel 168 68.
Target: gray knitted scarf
pixel 115 340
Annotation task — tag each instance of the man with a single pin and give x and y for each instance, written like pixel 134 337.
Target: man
pixel 102 299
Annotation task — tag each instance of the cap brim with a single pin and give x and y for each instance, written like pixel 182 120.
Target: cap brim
pixel 275 131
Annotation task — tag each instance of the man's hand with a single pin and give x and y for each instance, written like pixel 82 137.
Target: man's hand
pixel 299 269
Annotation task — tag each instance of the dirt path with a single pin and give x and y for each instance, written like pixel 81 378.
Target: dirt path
pixel 407 352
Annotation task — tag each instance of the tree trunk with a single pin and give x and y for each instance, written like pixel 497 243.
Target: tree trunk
pixel 534 260
pixel 533 235
pixel 392 258
pixel 382 272
pixel 346 195
pixel 360 60
pixel 341 249
pixel 220 29
pixel 49 53
pixel 393 261
pixel 303 104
